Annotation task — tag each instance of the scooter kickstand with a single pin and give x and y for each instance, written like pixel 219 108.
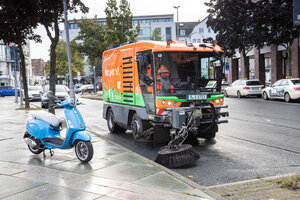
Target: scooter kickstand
pixel 51 152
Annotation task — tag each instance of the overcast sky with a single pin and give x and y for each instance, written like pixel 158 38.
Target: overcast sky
pixel 190 10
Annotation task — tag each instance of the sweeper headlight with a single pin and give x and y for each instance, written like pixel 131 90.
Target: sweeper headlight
pixel 163 102
pixel 169 103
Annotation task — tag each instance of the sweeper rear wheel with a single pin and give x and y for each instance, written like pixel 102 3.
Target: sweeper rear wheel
pixel 173 158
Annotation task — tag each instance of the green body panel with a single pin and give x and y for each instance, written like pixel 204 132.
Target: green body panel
pixel 126 98
pixel 173 98
pixel 138 100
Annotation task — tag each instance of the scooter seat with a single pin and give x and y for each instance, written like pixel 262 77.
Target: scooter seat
pixel 48 117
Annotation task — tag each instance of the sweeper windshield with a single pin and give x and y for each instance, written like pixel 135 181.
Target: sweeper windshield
pixel 183 73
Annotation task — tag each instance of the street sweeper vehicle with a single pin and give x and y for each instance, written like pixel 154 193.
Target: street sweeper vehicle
pixel 164 91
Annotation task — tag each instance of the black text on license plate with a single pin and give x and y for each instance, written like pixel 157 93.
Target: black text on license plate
pixel 197 97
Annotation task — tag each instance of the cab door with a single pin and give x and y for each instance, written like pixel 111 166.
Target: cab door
pixel 274 89
pixel 282 88
pixel 146 81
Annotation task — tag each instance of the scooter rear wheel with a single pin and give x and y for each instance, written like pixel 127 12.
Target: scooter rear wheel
pixel 34 150
pixel 84 150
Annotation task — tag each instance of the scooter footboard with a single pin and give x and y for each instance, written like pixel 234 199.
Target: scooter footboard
pixel 81 135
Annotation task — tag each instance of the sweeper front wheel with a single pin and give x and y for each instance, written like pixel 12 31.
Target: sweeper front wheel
pixel 174 158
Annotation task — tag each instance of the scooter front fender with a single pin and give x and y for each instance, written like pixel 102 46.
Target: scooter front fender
pixel 81 135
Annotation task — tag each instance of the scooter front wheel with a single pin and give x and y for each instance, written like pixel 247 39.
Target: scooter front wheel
pixel 84 150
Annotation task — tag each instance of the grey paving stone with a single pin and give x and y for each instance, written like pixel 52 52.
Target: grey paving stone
pixel 164 180
pixel 162 193
pixel 106 198
pixel 126 195
pixel 103 181
pixel 83 168
pixel 47 175
pixel 50 191
pixel 125 171
pixel 128 157
pixel 12 185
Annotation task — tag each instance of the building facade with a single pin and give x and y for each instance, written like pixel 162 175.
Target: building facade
pixel 267 64
pixel 164 23
pixel 6 77
pixel 38 67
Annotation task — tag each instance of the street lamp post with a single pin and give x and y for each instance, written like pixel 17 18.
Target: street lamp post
pixel 177 29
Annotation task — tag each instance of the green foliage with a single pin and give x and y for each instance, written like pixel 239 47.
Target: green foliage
pixel 291 182
pixel 77 59
pixel 119 23
pixel 231 20
pixel 17 21
pixel 93 38
pixel 156 35
pixel 92 43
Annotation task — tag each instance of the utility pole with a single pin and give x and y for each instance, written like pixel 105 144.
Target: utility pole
pixel 20 79
pixel 15 75
pixel 177 28
pixel 71 87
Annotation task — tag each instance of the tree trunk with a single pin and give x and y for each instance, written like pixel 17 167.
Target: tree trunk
pixel 54 41
pixel 23 72
pixel 245 65
pixel 289 61
pixel 52 81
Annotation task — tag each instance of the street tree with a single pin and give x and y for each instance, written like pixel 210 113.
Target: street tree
pixel 119 23
pixel 273 21
pixel 51 13
pixel 232 21
pixel 77 59
pixel 17 21
pixel 156 35
pixel 91 41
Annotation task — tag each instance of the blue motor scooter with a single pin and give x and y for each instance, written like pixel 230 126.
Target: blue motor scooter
pixel 43 132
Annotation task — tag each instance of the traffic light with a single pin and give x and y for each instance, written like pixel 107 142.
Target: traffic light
pixel 1 73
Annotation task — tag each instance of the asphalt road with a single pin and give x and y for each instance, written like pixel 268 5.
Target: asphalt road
pixel 261 139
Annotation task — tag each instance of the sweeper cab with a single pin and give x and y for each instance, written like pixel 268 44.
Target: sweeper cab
pixel 164 91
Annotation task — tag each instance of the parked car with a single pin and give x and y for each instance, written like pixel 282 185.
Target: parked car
pixel 242 88
pixel 34 93
pixel 61 93
pixel 87 88
pixel 287 89
pixel 8 91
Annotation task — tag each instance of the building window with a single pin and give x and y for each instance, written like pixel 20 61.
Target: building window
pixel 201 30
pixel 168 33
pixel 198 40
pixel 73 26
pixel 182 32
pixel 208 30
pixel 194 40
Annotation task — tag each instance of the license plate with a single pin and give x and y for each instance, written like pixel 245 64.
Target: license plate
pixel 255 88
pixel 196 97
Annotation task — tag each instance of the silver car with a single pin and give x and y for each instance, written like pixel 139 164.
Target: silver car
pixel 287 89
pixel 34 93
pixel 242 88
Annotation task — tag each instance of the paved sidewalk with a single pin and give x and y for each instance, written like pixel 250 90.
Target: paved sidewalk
pixel 265 188
pixel 113 173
